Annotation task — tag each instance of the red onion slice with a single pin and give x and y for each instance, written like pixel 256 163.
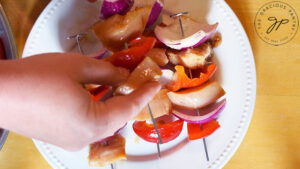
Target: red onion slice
pixel 155 12
pixel 101 54
pixel 206 114
pixel 109 137
pixel 195 34
pixel 197 97
pixel 111 7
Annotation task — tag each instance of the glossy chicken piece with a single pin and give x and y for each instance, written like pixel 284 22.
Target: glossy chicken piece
pixel 146 71
pixel 160 105
pixel 197 97
pixel 158 55
pixel 215 40
pixel 173 56
pixel 108 151
pixel 192 58
pixel 118 29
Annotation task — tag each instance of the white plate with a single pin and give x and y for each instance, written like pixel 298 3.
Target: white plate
pixel 236 73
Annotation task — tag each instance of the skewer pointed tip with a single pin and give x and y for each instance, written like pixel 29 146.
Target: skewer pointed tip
pixel 158 150
pixel 157 132
pixel 112 166
pixel 205 147
pixel 204 144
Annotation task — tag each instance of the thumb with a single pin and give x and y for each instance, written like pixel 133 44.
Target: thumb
pixel 126 107
pixel 117 111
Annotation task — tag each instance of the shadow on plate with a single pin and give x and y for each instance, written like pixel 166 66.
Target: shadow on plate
pixel 218 75
pixel 77 18
pixel 165 153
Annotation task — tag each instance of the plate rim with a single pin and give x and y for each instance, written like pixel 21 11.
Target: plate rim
pixel 249 103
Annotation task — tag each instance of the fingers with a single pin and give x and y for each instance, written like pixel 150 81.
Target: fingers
pixel 121 109
pixel 133 103
pixel 138 99
pixel 80 68
pixel 107 117
pixel 102 72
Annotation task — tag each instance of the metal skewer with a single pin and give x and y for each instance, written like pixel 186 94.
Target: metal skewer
pixel 157 131
pixel 180 21
pixel 78 38
pixel 204 141
pixel 198 113
pixel 154 123
pixel 191 76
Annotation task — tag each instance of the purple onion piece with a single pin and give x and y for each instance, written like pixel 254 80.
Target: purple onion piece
pixel 101 54
pixel 196 39
pixel 206 114
pixel 111 7
pixel 116 133
pixel 155 12
pixel 201 41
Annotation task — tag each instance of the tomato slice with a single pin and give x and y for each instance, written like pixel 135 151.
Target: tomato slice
pixel 138 41
pixel 2 52
pixel 131 57
pixel 183 81
pixel 168 131
pixel 196 132
pixel 99 92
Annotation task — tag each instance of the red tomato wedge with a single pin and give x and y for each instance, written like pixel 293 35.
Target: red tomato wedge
pixel 131 57
pixel 196 132
pixel 2 52
pixel 98 93
pixel 183 81
pixel 168 131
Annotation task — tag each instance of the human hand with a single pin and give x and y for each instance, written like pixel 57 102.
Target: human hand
pixel 43 97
